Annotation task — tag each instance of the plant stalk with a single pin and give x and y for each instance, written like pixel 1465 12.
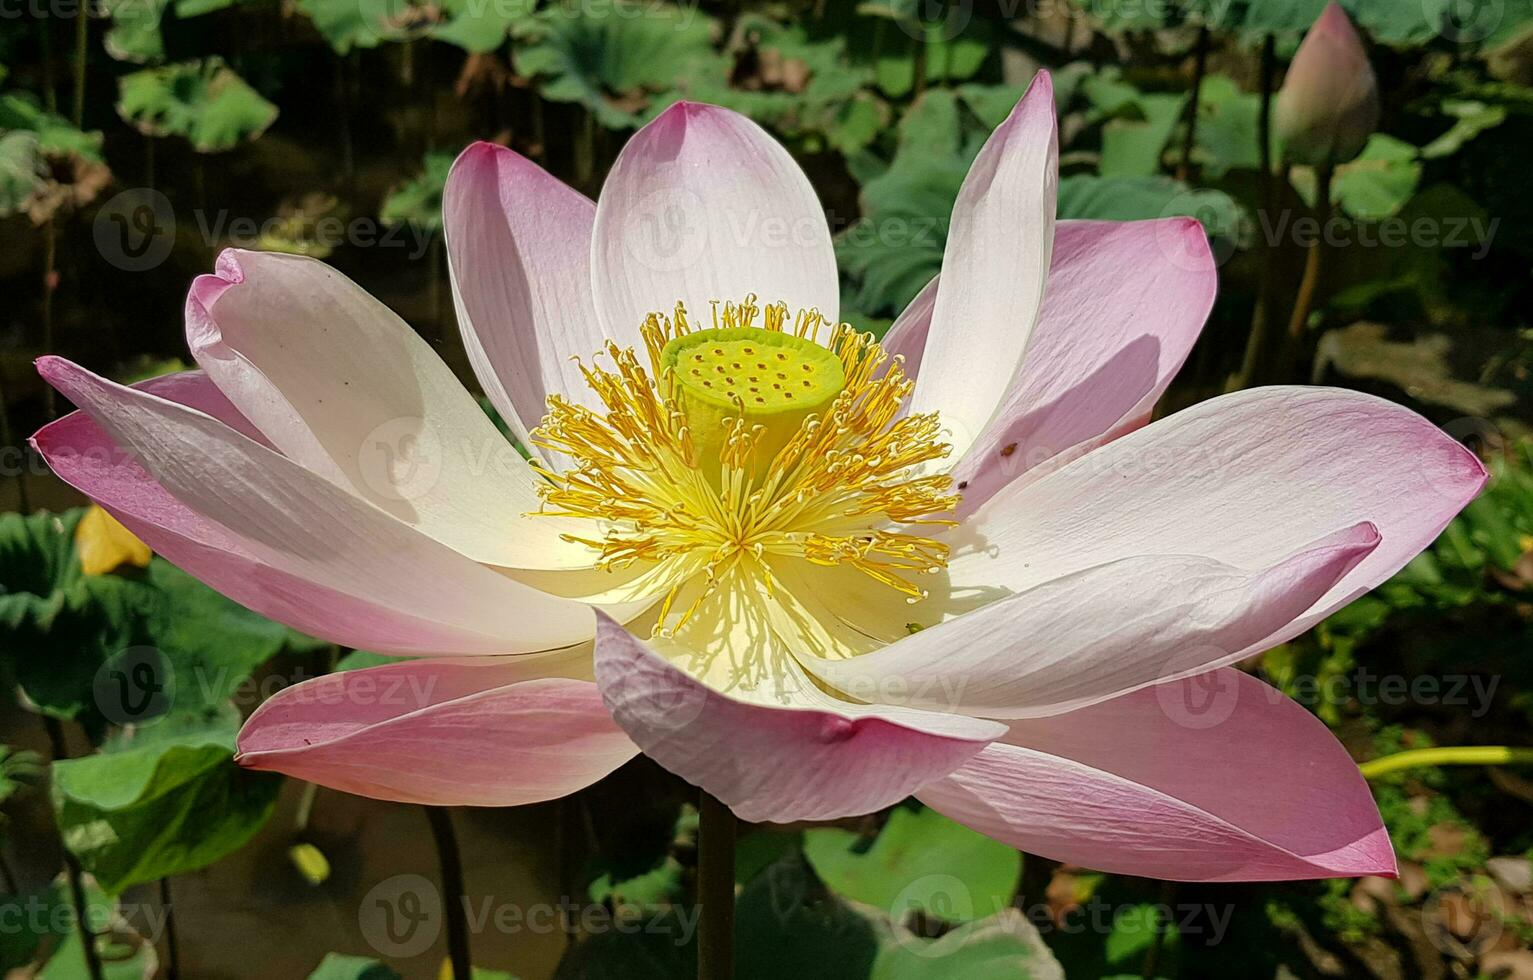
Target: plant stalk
pixel 8 877
pixel 1199 69
pixel 50 286
pixel 172 948
pixel 82 32
pixel 1450 755
pixel 440 819
pixel 72 870
pixel 8 438
pixel 715 889
pixel 1259 339
pixel 1309 285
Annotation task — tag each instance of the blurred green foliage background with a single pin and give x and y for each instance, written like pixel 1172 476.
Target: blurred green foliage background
pixel 139 137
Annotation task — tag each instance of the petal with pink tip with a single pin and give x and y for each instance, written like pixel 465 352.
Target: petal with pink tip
pixel 703 205
pixel 211 485
pixel 1246 478
pixel 907 334
pixel 1097 634
pixel 195 389
pixel 339 383
pixel 86 458
pixel 993 270
pixel 1125 302
pixel 825 760
pixel 1214 778
pixel 519 256
pixel 441 732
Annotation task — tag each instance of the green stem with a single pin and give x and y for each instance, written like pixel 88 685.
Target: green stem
pixel 1151 966
pixel 72 869
pixel 8 876
pixel 305 808
pixel 82 31
pixel 918 64
pixel 715 889
pixel 1451 755
pixel 585 149
pixel 1032 882
pixel 8 438
pixel 1309 285
pixel 1259 340
pixel 173 950
pixel 50 286
pixel 45 43
pixel 440 819
pixel 1199 69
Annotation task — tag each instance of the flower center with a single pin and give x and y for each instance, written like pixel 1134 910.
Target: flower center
pixel 767 378
pixel 747 455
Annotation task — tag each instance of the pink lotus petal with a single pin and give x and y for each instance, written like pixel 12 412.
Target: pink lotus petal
pixel 703 205
pixel 1246 479
pixel 339 383
pixel 519 255
pixel 441 732
pixel 195 389
pixel 993 270
pixel 172 467
pixel 1125 302
pixel 1098 633
pixel 1215 778
pixel 83 456
pixel 907 334
pixel 824 761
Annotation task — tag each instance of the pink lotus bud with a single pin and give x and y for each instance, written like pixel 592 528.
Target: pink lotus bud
pixel 1329 103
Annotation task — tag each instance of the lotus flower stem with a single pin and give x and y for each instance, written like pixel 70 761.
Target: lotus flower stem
pixel 45 43
pixel 7 876
pixel 440 819
pixel 172 948
pixel 918 68
pixel 82 32
pixel 1258 339
pixel 1152 954
pixel 8 438
pixel 1266 70
pixel 715 889
pixel 1310 284
pixel 1451 755
pixel 305 807
pixel 60 750
pixel 1199 68
pixel 50 286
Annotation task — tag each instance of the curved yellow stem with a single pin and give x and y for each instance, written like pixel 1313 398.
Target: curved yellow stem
pixel 1451 755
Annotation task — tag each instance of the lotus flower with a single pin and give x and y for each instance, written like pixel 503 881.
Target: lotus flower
pixel 808 572
pixel 1329 103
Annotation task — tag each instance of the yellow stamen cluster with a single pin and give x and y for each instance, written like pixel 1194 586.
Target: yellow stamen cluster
pixel 844 488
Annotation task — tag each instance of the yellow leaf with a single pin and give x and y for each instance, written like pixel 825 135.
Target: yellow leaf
pixel 105 545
